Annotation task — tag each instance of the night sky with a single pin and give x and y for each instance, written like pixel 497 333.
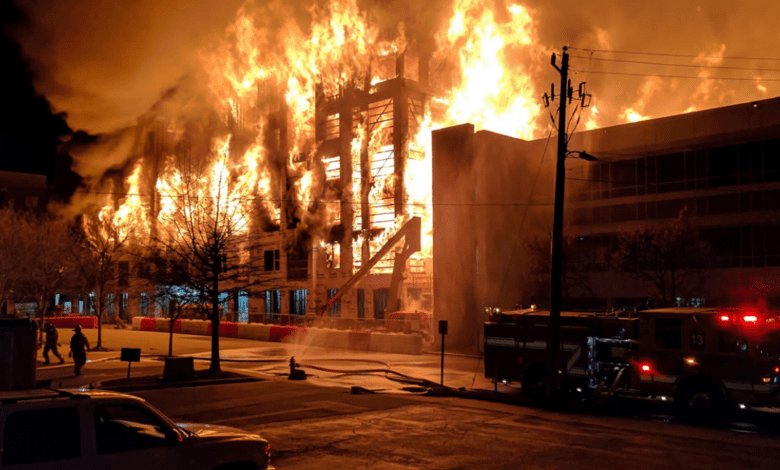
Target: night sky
pixel 30 133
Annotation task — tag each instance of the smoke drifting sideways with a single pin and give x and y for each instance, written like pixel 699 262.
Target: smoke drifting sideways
pixel 105 64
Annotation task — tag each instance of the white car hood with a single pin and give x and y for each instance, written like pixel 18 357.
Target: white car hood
pixel 213 430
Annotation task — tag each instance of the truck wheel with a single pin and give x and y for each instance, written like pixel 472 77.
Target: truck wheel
pixel 534 385
pixel 700 400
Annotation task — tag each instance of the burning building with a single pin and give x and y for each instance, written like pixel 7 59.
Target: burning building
pixel 314 155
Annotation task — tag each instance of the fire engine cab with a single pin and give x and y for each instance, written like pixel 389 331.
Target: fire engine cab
pixel 703 358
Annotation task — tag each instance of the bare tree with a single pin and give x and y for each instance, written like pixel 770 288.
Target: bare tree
pixel 204 229
pixel 100 245
pixel 664 254
pixel 47 264
pixel 11 253
pixel 575 261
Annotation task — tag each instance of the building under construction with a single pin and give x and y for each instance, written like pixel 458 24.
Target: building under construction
pixel 361 262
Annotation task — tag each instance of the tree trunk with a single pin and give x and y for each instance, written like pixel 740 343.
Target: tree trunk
pixel 170 337
pixel 99 312
pixel 215 365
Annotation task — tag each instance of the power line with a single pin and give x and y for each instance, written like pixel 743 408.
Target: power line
pixel 661 54
pixel 677 76
pixel 309 201
pixel 666 64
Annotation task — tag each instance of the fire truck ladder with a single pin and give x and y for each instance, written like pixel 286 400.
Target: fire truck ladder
pixel 410 233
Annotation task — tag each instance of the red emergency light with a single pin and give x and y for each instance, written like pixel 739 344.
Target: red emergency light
pixel 646 368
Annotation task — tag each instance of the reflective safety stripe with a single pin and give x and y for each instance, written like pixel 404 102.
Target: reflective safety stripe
pixel 738 385
pixel 536 345
pixel 667 379
pixel 505 342
pixel 579 371
pixel 749 386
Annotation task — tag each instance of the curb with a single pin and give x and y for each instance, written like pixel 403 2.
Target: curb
pixel 178 384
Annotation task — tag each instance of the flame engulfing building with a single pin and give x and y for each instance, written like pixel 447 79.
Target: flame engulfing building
pixel 311 213
pixel 492 199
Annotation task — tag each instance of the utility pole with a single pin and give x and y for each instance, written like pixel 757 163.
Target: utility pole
pixel 566 94
pixel 554 343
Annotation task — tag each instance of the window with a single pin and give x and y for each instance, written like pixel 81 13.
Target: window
pixel 122 428
pixel 47 435
pixel 273 301
pixel 144 304
pixel 668 332
pixel 110 305
pixel 380 302
pixel 243 307
pixel 298 302
pixel 271 260
pixel 361 303
pixel 335 309
pixel 730 343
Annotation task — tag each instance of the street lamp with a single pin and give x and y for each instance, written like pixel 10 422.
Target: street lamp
pixel 583 155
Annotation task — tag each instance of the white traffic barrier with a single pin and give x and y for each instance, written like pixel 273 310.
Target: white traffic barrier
pixel 327 338
pixel 194 327
pixel 162 324
pixel 396 343
pixel 256 331
pixel 137 323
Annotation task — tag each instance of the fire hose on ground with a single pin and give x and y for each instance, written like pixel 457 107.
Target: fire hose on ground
pixel 426 385
pixel 296 373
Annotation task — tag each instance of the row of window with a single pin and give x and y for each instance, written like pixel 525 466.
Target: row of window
pixel 727 203
pixel 696 169
pixel 298 299
pixel 747 246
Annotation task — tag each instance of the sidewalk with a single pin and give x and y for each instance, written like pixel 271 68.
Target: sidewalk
pixel 254 358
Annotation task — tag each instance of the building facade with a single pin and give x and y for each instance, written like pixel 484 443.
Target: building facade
pixel 722 166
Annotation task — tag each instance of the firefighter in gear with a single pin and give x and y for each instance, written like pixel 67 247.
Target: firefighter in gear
pixel 51 343
pixel 79 345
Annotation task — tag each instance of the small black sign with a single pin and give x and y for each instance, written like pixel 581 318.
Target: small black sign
pixel 442 327
pixel 130 355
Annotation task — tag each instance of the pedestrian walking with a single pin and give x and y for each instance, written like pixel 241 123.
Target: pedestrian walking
pixel 52 337
pixel 79 345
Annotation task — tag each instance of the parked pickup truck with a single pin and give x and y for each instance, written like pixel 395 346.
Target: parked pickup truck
pixel 55 429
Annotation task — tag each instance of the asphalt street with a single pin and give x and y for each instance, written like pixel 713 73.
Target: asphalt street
pixel 313 427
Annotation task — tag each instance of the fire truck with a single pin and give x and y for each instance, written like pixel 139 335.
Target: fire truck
pixel 704 359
